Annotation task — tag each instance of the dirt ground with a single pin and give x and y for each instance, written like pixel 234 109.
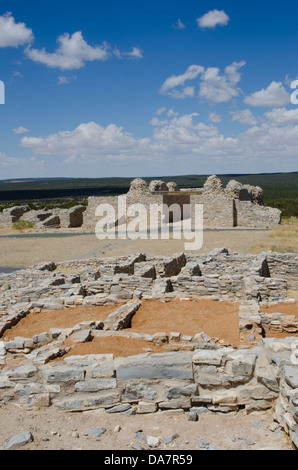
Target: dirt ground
pixel 36 323
pixel 285 308
pixel 119 346
pixel 24 252
pixel 216 319
pixel 55 430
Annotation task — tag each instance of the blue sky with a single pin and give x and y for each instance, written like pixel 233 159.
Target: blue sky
pixel 95 89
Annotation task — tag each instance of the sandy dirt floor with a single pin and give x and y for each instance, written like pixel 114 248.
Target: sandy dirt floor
pixel 216 319
pixel 54 430
pixel 118 346
pixel 285 308
pixel 26 251
pixel 36 323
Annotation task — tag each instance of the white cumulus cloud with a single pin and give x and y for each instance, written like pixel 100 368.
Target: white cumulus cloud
pixel 175 81
pixel 14 34
pixel 220 88
pixel 214 117
pixel 161 110
pixel 213 18
pixel 282 116
pixel 214 86
pixel 20 130
pixel 72 53
pixel 86 140
pixel 179 25
pixel 65 80
pixel 245 116
pixel 273 96
pixel 157 122
pixel 135 53
pixel 182 143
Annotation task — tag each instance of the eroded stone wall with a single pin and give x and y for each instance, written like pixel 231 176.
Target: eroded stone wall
pixel 217 379
pixel 200 375
pixel 236 205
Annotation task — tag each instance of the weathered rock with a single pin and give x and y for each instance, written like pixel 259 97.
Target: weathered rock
pixel 63 374
pixel 172 187
pixel 153 441
pixel 192 416
pixel 82 336
pixel 213 185
pixel 15 213
pixel 95 385
pixel 121 318
pixel 168 365
pixel 139 186
pixel 47 266
pixel 140 391
pixel 96 432
pixel 145 407
pixel 158 186
pixel 290 374
pixel 120 408
pixel 20 441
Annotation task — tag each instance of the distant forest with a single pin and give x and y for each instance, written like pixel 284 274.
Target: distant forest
pixel 280 189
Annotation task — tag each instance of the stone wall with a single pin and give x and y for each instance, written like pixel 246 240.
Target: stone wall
pixel 254 215
pixel 236 205
pixel 198 374
pixel 45 218
pixel 284 265
pixel 217 379
pixel 217 274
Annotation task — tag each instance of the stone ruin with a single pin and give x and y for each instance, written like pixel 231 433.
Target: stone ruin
pixel 236 205
pixel 196 374
pixel 45 218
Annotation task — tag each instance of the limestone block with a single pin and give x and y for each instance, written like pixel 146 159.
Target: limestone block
pixel 95 385
pixel 63 373
pixel 155 366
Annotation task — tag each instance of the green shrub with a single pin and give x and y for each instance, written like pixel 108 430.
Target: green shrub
pixel 23 225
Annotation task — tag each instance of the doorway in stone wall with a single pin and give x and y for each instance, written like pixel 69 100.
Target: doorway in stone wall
pixel 182 201
pixel 235 217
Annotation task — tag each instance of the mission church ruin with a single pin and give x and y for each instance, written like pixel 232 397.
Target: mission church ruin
pixel 236 205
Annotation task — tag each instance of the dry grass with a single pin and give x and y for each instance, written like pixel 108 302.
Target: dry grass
pixel 282 239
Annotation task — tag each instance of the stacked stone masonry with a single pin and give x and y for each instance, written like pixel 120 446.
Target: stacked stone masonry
pixel 198 373
pixel 236 205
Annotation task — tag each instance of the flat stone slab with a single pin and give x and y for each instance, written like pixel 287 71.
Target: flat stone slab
pixel 96 432
pixel 19 441
pixel 94 385
pixel 291 375
pixel 155 366
pixel 89 402
pixel 208 357
pixel 121 318
pixel 63 374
